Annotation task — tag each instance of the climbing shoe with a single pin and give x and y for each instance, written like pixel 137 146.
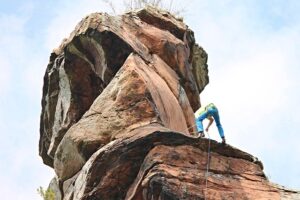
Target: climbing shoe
pixel 201 134
pixel 223 140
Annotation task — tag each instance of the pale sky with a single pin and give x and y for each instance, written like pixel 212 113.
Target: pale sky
pixel 253 48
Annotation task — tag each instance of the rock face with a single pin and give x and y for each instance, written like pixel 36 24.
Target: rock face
pixel 117 117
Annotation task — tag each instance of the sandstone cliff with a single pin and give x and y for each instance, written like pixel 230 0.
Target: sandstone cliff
pixel 117 116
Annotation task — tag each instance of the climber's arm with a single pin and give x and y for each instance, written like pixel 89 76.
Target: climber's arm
pixel 211 120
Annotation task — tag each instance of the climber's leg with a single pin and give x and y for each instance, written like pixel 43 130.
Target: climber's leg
pixel 215 113
pixel 199 123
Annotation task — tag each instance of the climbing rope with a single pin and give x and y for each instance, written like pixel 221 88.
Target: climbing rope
pixel 207 166
pixel 208 159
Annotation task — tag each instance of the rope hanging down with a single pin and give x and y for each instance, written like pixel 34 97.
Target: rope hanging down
pixel 208 159
pixel 207 166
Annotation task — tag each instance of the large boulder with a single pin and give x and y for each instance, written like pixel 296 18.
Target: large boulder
pixel 85 63
pixel 137 96
pixel 117 117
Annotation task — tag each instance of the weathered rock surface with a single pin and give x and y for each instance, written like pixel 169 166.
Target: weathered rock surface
pixel 54 186
pixel 117 117
pixel 86 62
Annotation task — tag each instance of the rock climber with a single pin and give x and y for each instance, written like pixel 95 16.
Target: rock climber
pixel 211 113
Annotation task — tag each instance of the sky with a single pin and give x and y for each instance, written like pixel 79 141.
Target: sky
pixel 253 48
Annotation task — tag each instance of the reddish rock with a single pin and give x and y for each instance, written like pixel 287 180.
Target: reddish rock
pixel 73 80
pixel 154 163
pixel 117 117
pixel 86 62
pixel 180 173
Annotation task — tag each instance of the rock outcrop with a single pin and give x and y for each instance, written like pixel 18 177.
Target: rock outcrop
pixel 117 116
